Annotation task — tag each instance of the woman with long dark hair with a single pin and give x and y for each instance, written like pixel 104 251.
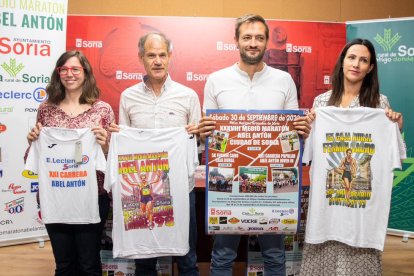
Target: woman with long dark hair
pixel 354 84
pixel 73 103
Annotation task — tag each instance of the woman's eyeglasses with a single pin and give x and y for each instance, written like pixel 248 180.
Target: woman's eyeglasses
pixel 76 70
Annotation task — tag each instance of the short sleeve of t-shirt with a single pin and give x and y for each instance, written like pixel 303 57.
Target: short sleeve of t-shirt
pixel 31 161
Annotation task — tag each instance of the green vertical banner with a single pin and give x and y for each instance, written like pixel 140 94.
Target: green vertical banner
pixel 394 44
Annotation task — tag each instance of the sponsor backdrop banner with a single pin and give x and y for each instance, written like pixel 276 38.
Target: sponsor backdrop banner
pixel 253 172
pixel 307 50
pixel 32 37
pixel 394 45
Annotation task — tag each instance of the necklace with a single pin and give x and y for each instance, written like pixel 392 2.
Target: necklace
pixel 74 111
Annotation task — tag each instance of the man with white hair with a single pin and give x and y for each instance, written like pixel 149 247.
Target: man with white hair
pixel 159 102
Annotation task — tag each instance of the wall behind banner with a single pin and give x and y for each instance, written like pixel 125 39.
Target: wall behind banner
pixel 321 10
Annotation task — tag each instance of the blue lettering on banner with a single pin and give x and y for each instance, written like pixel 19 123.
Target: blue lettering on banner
pixel 15 95
pixel 39 95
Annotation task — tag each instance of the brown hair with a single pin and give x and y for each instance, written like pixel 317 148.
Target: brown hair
pixel 56 91
pixel 369 95
pixel 250 18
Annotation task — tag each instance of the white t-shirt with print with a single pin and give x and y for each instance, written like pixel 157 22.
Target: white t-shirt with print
pixel 360 218
pixel 148 172
pixel 68 190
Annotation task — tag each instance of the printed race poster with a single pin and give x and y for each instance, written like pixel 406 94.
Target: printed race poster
pixel 253 172
pixel 146 198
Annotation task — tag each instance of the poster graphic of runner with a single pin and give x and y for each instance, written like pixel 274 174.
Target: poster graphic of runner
pixel 289 141
pixel 253 169
pixel 218 141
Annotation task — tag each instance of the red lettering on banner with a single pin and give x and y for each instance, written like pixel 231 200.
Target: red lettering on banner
pixel 21 48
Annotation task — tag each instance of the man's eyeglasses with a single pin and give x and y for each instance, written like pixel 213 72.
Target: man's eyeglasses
pixel 76 70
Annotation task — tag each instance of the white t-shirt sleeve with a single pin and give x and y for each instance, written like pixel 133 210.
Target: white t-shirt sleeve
pixel 195 109
pixel 210 101
pixel 111 171
pixel 32 163
pixel 400 152
pixel 100 159
pixel 291 101
pixel 123 113
pixel 308 146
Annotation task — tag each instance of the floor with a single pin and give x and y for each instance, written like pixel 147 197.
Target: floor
pixel 30 260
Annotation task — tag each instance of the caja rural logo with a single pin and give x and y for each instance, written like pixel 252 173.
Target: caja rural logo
pixel 387 41
pixel 14 67
pixel 252 212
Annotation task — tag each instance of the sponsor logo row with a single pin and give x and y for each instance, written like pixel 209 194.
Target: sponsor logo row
pixel 260 221
pixel 43 48
pixel 251 212
pixel 290 48
pixel 190 76
pixel 220 46
pixel 243 228
pixel 39 94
